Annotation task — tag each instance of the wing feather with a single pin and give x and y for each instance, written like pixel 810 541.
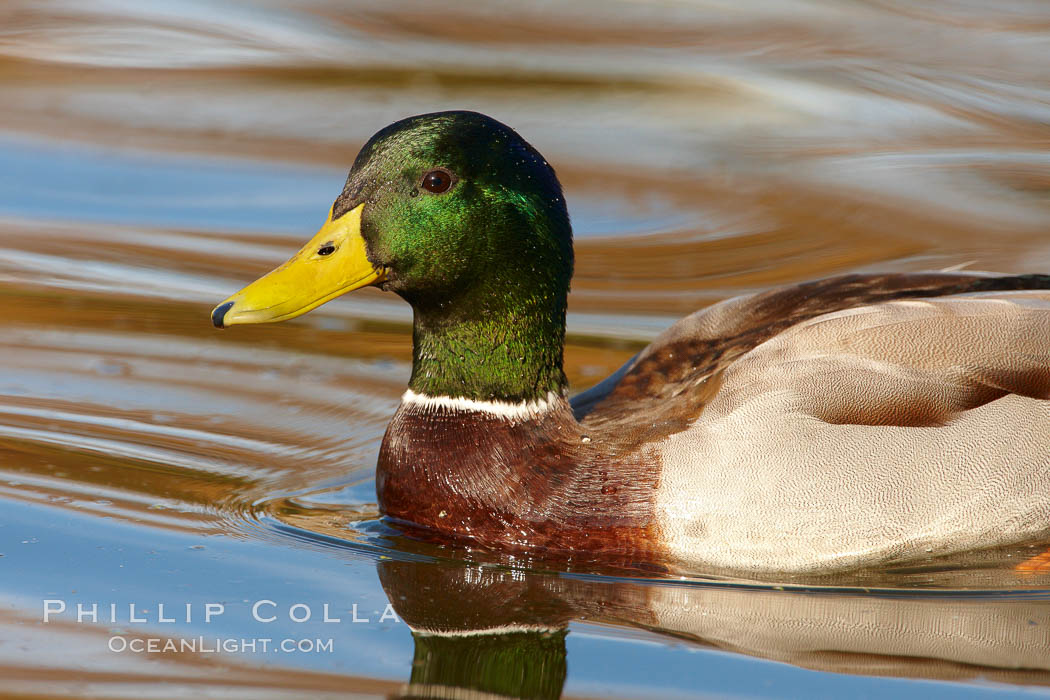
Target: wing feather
pixel 907 363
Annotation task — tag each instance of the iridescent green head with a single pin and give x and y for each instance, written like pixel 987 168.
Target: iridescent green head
pixel 454 201
pixel 465 220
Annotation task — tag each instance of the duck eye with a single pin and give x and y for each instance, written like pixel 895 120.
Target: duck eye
pixel 437 181
pixel 326 249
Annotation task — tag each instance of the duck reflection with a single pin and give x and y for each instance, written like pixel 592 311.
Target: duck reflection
pixel 489 631
pixel 482 629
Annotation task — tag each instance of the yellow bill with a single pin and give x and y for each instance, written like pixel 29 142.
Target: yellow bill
pixel 332 263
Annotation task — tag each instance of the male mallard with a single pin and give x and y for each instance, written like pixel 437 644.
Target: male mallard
pixel 848 422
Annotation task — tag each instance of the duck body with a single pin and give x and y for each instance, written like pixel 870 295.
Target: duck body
pixel 882 431
pixel 851 422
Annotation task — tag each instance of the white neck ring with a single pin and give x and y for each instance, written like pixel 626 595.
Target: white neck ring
pixel 499 409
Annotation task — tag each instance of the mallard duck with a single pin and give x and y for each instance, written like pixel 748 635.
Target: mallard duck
pixel 848 422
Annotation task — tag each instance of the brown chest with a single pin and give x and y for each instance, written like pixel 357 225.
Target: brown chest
pixel 535 483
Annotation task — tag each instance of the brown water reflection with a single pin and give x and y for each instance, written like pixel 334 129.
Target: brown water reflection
pixel 159 155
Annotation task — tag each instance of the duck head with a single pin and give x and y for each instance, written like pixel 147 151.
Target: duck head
pixel 466 221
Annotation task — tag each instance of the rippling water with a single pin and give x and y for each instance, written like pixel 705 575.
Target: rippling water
pixel 159 155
